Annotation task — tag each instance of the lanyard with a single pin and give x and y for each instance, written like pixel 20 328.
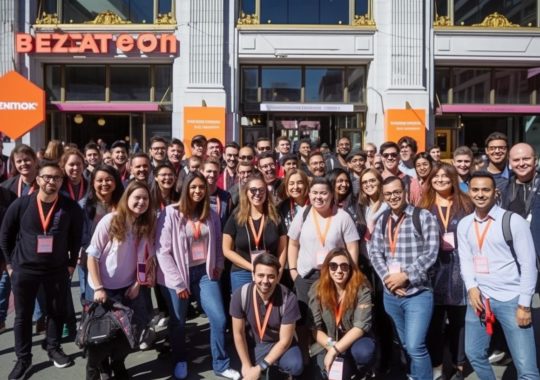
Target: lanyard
pixel 292 207
pixel 481 237
pixel 339 313
pixel 124 174
pixel 445 218
pixel 45 220
pixel 392 238
pixel 196 229
pixel 71 193
pixel 256 234
pixel 322 237
pixel 20 185
pixel 218 205
pixel 261 329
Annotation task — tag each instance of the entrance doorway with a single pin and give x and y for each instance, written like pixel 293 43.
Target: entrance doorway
pixel 90 127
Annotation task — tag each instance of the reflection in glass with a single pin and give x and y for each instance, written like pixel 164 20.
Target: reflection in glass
pixel 441 7
pixel 158 124
pixel 281 83
pixel 315 12
pixel 163 83
pixel 49 6
pixel 250 84
pixel 361 7
pixel 511 86
pixel 522 12
pixel 53 82
pixel 442 84
pixel 471 85
pixel 324 84
pixel 130 83
pixel 357 84
pixel 164 6
pixel 248 6
pixel 531 125
pixel 85 82
pixel 79 11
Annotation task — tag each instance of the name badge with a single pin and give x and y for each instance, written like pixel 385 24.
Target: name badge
pixel 141 269
pixel 44 244
pixel 481 264
pixel 198 250
pixel 394 266
pixel 321 255
pixel 336 370
pixel 256 253
pixel 448 242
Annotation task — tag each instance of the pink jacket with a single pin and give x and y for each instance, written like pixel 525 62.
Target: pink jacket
pixel 172 250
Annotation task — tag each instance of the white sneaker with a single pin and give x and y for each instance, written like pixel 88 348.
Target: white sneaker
pixel 496 356
pixel 230 373
pixel 163 322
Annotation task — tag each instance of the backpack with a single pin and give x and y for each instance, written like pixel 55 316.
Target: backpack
pixel 98 325
pixel 245 299
pixel 507 234
pixel 415 218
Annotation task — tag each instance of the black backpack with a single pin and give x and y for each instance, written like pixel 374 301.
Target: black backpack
pixel 98 325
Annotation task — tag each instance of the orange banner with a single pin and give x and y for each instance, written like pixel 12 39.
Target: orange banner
pixel 406 122
pixel 206 121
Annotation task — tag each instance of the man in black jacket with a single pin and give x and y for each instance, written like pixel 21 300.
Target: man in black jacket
pixel 40 239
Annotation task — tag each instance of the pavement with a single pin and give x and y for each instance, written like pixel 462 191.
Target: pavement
pixel 151 364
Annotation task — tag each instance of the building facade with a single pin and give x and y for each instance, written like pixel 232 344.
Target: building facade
pixel 448 72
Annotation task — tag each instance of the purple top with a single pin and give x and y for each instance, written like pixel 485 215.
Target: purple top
pixel 172 248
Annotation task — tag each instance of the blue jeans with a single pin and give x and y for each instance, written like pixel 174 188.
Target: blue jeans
pixel 411 316
pixel 208 293
pixel 5 290
pixel 520 341
pixel 290 362
pixel 83 273
pixel 357 357
pixel 239 278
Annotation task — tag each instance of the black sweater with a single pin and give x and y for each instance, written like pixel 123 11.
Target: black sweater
pixel 22 225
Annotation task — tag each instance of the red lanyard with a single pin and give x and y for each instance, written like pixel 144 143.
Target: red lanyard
pixel 445 219
pixel 339 313
pixel 71 193
pixel 321 236
pixel 481 237
pixel 20 185
pixel 45 220
pixel 196 229
pixel 256 234
pixel 292 204
pixel 261 329
pixel 392 238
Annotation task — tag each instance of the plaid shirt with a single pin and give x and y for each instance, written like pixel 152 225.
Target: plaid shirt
pixel 415 253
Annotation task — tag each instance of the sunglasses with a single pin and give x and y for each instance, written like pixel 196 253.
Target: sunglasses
pixel 264 148
pixel 345 267
pixel 387 155
pixel 246 158
pixel 257 190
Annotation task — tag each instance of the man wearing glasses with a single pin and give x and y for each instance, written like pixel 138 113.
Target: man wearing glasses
pixel 263 145
pixel 267 166
pixel 403 249
pixel 497 153
pixel 228 178
pixel 158 151
pixel 40 238
pixel 390 155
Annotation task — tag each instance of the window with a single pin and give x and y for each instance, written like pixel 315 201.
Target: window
pixel 520 12
pixel 442 85
pixel 324 84
pixel 356 80
pixel 250 84
pixel 130 83
pixel 511 86
pixel 85 82
pixel 163 83
pixel 440 8
pixel 281 84
pixel 471 85
pixel 53 82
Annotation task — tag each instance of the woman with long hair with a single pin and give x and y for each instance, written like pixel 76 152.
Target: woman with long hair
pixel 118 255
pixel 423 163
pixel 54 150
pixel 163 187
pixel 295 188
pixel 449 204
pixel 341 313
pixel 188 248
pixel 253 229
pixel 24 169
pixel 74 185
pixel 370 199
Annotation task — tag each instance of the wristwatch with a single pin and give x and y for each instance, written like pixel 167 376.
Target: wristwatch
pixel 330 342
pixel 263 364
pixel 524 308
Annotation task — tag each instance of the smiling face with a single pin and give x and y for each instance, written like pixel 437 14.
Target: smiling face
pixel 482 192
pixel 24 164
pixel 342 185
pixel 340 270
pixel 284 146
pixel 304 149
pixel 394 195
pixel 441 182
pixel 423 167
pixel 256 192
pixel 267 166
pixel 197 190
pixel 165 178
pixel 296 187
pixel 263 146
pixel 175 153
pixel 138 201
pixel 107 158
pixel 357 164
pixel 317 166
pixel 523 161
pixel 104 184
pixel 140 168
pixel 74 167
pixel 390 158
pixel 119 156
pixel 405 152
pixel 211 173
pixel 213 149
pixel 158 150
pixel 462 163
pixel 320 197
pixel 231 157
pixel 496 151
pixel 92 157
pixel 265 278
pixel 370 184
pixel 343 146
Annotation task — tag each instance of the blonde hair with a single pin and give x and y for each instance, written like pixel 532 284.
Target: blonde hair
pixel 244 207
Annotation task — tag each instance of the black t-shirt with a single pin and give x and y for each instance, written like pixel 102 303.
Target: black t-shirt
pixel 244 241
pixel 517 205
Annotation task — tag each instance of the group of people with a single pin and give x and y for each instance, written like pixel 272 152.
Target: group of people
pixel 316 259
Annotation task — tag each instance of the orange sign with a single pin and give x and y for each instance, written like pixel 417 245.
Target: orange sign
pixel 406 122
pixel 98 43
pixel 207 121
pixel 22 105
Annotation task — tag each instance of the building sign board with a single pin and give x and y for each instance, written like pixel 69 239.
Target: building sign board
pixel 207 121
pixel 22 105
pixel 306 107
pixel 406 122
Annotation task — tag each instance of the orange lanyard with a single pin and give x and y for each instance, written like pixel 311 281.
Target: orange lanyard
pixel 445 219
pixel 261 329
pixel 45 220
pixel 20 185
pixel 481 237
pixel 256 234
pixel 71 193
pixel 339 313
pixel 196 229
pixel 392 238
pixel 321 236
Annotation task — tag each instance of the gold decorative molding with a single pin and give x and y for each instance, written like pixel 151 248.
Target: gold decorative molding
pixel 48 19
pixel 496 20
pixel 363 20
pixel 108 18
pixel 245 19
pixel 166 18
pixel 442 21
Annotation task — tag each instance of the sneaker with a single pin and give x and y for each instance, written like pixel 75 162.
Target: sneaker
pixel 163 322
pixel 230 374
pixel 20 370
pixel 2 327
pixel 437 373
pixel 180 370
pixel 59 358
pixel 148 337
pixel 457 376
pixel 496 356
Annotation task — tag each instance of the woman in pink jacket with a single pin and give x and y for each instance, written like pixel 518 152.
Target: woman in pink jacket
pixel 188 249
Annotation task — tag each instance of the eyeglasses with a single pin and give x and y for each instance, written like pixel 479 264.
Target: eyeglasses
pixel 395 193
pixel 268 166
pixel 264 148
pixel 246 158
pixel 161 148
pixel 371 181
pixel 257 190
pixel 494 148
pixel 345 267
pixel 51 178
pixel 388 155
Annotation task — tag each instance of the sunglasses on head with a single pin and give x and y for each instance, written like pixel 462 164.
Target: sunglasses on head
pixel 345 267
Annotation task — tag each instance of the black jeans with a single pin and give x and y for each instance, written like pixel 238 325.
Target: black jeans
pixel 25 287
pixel 453 333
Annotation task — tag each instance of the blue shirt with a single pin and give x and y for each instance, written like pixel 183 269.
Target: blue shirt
pixel 503 282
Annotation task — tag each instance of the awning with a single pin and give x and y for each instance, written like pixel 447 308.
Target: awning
pixel 107 107
pixel 488 108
